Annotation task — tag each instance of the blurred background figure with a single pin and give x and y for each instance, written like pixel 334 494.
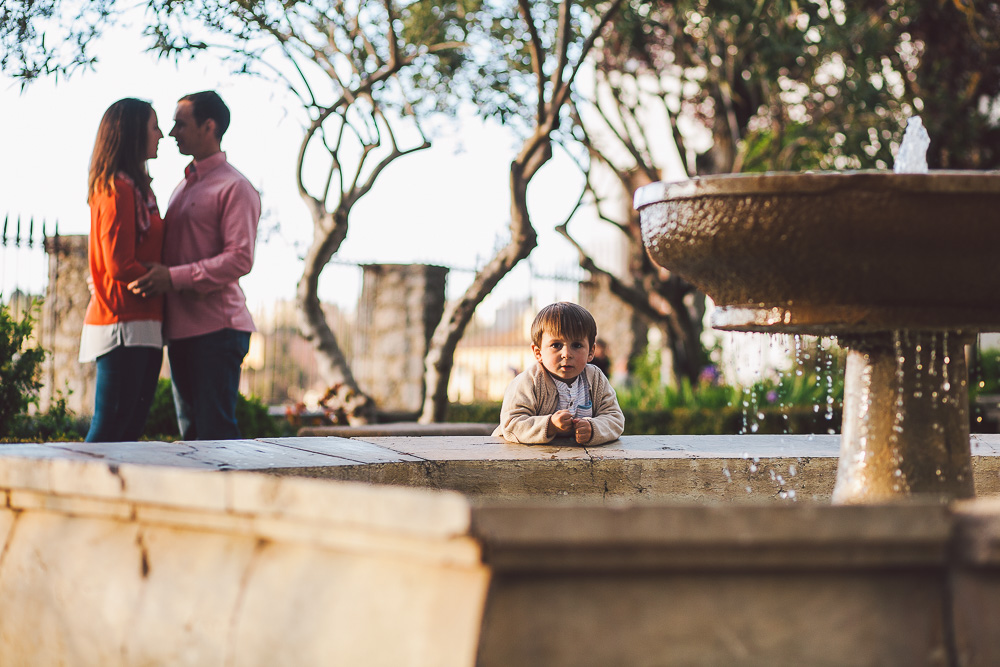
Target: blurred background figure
pixel 601 359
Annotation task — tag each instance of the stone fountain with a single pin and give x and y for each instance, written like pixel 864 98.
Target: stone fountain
pixel 900 267
pixel 636 552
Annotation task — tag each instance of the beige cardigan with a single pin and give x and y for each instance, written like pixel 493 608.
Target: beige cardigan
pixel 531 398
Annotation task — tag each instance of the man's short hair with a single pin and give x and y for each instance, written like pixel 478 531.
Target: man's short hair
pixel 564 320
pixel 208 104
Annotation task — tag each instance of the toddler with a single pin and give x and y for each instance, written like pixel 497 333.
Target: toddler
pixel 562 395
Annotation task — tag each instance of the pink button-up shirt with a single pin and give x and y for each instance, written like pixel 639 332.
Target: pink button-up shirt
pixel 210 233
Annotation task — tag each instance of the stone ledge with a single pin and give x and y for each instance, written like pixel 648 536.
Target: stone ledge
pixel 564 538
pixel 644 468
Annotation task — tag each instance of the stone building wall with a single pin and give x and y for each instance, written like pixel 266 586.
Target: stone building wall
pixel 66 298
pixel 400 306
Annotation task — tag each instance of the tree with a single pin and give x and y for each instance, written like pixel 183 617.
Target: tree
pixel 779 86
pixel 616 141
pixel 47 38
pixel 543 45
pixel 813 85
pixel 362 72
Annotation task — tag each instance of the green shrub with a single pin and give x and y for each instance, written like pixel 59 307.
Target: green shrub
pixel 19 366
pixel 486 412
pixel 162 421
pixel 57 424
pixel 984 372
pixel 251 416
pixel 731 421
pixel 254 420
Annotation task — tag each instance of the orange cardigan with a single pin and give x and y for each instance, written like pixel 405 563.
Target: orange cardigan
pixel 116 257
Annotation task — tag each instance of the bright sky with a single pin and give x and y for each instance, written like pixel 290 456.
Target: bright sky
pixel 445 205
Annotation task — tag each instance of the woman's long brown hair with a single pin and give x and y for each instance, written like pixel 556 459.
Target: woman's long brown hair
pixel 121 147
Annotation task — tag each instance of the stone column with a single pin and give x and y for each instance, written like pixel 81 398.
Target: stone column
pixel 66 298
pixel 400 306
pixel 906 419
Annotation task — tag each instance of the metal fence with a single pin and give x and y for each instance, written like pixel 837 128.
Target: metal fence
pixel 281 365
pixel 23 263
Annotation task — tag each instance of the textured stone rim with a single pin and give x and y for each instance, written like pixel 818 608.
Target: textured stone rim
pixel 812 182
pixel 851 320
pixel 851 284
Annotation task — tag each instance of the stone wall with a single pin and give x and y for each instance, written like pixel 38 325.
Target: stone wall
pixel 400 306
pixel 66 298
pixel 144 565
pixel 125 554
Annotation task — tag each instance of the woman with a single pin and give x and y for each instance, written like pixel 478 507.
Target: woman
pixel 123 331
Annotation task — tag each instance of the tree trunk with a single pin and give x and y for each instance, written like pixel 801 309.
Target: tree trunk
pixel 328 234
pixel 523 239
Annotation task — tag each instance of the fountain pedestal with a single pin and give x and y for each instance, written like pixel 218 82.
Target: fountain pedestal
pixel 899 267
pixel 906 419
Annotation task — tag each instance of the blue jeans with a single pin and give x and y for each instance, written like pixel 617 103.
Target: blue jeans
pixel 205 374
pixel 126 383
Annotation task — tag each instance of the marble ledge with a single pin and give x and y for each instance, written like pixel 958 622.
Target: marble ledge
pixel 323 452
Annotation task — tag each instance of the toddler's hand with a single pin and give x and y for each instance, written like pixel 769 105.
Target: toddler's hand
pixel 562 422
pixel 584 430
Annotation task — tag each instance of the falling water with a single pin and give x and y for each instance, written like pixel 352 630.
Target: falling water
pixel 912 159
pixel 800 366
pixel 899 413
pixel 976 375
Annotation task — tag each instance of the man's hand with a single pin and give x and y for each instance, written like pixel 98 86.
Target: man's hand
pixel 562 422
pixel 583 430
pixel 156 281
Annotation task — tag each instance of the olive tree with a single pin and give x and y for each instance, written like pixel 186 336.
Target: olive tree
pixel 363 73
pixel 777 86
pixel 529 71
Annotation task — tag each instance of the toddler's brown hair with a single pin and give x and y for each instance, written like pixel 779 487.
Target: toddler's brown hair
pixel 564 320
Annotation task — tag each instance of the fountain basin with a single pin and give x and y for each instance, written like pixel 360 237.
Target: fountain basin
pixel 899 267
pixel 833 253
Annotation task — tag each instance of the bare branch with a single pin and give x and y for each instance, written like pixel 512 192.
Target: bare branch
pixel 562 47
pixel 559 96
pixel 537 57
pixel 392 37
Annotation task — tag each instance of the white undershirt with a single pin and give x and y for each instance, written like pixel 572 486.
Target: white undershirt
pixel 99 339
pixel 574 396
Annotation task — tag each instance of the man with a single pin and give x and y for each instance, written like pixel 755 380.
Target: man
pixel 211 229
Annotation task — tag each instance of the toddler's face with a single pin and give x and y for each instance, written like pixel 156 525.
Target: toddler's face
pixel 562 357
